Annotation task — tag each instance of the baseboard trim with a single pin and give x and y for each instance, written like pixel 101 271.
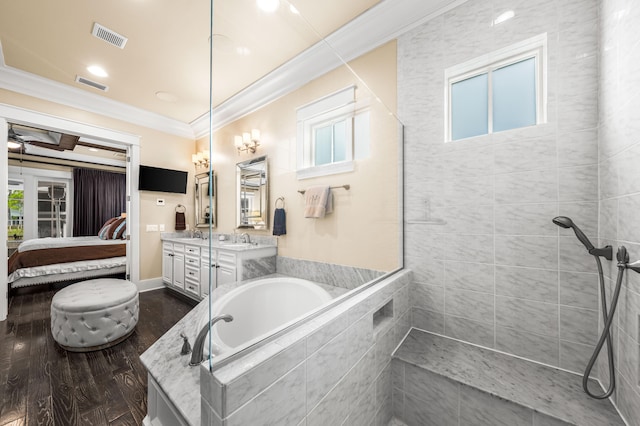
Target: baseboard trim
pixel 150 284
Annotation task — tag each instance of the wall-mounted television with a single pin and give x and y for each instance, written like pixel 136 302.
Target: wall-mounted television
pixel 162 180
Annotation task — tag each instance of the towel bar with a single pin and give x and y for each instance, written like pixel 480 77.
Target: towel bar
pixel 347 187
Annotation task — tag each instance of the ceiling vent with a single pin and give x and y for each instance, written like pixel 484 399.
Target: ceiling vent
pixel 91 83
pixel 110 36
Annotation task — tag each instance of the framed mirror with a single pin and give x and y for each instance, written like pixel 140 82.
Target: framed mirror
pixel 205 213
pixel 252 193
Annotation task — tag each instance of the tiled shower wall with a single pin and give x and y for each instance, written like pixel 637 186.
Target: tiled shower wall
pixel 620 183
pixel 489 266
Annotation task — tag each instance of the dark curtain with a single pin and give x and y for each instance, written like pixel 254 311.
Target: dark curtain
pixel 98 195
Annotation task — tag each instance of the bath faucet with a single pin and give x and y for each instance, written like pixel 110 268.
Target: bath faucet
pixel 245 238
pixel 197 355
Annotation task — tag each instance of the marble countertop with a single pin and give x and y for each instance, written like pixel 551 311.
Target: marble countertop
pixel 226 245
pixel 179 381
pixel 514 379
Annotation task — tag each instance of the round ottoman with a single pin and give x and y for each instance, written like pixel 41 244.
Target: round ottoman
pixel 94 314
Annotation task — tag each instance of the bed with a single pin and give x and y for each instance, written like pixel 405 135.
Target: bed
pixel 49 260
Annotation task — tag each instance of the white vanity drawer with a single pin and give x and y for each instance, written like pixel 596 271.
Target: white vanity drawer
pixel 167 247
pixel 192 273
pixel 192 250
pixel 192 287
pixel 193 262
pixel 178 248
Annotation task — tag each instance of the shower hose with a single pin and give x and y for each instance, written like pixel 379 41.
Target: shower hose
pixel 607 318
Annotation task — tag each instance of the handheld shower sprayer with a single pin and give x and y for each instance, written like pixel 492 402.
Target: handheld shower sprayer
pixel 607 313
pixel 566 223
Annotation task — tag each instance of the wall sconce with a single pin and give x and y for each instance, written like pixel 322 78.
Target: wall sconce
pixel 248 142
pixel 201 159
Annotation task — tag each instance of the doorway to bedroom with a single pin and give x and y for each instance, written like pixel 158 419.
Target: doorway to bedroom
pixel 42 196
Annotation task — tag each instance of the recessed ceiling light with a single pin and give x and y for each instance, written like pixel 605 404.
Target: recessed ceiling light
pixel 166 96
pixel 243 51
pixel 268 6
pixel 504 17
pixel 97 70
pixel 293 10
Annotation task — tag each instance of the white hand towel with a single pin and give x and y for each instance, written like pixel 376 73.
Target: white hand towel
pixel 317 202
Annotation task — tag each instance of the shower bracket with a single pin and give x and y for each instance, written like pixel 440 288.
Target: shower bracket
pixel 606 252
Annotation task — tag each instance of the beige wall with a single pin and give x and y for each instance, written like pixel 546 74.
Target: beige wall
pixel 156 149
pixel 363 230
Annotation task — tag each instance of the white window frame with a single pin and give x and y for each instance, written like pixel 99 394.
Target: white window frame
pixel 338 106
pixel 535 47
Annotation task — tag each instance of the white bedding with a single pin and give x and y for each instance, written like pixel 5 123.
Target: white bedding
pixel 50 242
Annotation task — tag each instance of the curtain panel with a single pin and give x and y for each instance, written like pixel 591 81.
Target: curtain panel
pixel 98 195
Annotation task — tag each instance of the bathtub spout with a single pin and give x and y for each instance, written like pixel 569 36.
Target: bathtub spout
pixel 197 355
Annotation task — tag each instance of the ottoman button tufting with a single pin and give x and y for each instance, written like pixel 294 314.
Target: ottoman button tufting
pixel 78 312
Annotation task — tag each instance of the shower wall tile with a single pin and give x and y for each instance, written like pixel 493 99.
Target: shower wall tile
pixel 527 283
pixel 480 333
pixel 574 256
pixel 527 251
pixel 579 290
pixel 476 248
pixel 579 325
pixel 583 213
pixel 578 183
pixel 578 148
pixel 527 315
pixel 498 193
pixel 526 219
pixel 427 297
pixel 469 276
pixel 469 304
pixel 538 186
pixel 531 154
pixel 528 345
pixel 542 420
pixel 575 356
pixel 427 320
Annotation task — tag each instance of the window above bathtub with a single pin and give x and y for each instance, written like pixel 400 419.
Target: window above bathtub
pixel 503 90
pixel 331 132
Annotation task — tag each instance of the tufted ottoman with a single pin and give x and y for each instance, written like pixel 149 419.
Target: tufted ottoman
pixel 94 314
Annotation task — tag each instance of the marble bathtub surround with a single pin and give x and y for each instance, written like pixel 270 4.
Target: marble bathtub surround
pixel 434 375
pixel 333 369
pixel 172 372
pixel 347 277
pixel 254 268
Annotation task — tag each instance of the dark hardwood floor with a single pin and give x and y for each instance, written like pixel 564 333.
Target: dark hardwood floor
pixel 42 384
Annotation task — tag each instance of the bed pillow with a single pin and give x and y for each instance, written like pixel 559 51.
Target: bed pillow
pixel 102 234
pixel 114 227
pixel 119 229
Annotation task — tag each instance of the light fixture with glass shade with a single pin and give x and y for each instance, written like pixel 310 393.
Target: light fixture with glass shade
pixel 248 142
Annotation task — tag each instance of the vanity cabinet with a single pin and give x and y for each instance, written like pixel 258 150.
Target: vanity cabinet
pixel 187 267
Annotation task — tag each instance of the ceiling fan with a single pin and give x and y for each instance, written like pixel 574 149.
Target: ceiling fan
pixel 20 137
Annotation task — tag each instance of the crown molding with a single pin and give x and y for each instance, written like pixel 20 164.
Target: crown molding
pixel 49 90
pixel 382 23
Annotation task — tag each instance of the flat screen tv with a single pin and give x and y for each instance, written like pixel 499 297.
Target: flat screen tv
pixel 162 180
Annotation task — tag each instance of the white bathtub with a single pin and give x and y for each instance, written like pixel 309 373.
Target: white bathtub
pixel 262 306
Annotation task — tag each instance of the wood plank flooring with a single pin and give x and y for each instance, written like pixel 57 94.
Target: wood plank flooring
pixel 42 384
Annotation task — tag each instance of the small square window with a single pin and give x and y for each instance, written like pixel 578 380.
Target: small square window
pixel 496 92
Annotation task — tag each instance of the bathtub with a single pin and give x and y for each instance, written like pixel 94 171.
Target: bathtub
pixel 260 307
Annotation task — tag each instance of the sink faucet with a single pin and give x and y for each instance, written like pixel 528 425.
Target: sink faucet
pixel 245 238
pixel 198 233
pixel 197 355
